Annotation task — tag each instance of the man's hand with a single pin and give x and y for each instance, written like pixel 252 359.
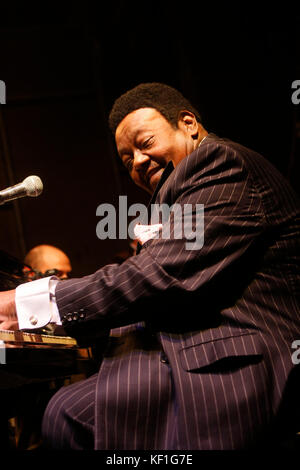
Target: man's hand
pixel 8 312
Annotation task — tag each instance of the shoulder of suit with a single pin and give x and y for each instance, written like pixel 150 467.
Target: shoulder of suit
pixel 211 154
pixel 214 140
pixel 211 147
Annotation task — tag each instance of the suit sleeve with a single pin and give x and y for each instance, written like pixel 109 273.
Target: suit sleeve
pixel 166 276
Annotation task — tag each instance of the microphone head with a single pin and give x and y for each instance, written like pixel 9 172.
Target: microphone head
pixel 33 186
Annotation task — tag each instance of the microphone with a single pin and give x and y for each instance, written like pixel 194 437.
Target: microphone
pixel 31 186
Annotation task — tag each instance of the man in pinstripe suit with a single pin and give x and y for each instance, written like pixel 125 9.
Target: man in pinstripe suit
pixel 199 348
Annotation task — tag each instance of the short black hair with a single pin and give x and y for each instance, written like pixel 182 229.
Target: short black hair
pixel 164 98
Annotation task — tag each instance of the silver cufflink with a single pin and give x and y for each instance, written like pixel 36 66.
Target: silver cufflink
pixel 33 320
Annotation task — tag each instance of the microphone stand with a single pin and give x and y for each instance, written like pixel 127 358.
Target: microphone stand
pixel 16 207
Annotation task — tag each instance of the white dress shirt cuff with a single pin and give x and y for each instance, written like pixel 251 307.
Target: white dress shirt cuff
pixel 36 304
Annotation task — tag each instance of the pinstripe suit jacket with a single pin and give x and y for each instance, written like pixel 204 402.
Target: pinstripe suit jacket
pixel 200 348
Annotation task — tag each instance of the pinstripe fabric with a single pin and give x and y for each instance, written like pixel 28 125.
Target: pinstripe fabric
pixel 224 316
pixel 72 411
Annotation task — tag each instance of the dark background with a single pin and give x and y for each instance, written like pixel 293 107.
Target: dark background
pixel 65 63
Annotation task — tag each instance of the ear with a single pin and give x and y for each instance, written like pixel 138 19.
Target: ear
pixel 187 122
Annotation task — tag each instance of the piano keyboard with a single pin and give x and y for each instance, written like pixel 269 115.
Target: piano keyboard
pixel 19 337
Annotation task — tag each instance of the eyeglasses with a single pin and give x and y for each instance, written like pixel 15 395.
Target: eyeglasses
pixel 50 272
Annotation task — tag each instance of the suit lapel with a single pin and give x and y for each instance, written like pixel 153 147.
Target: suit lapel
pixel 166 173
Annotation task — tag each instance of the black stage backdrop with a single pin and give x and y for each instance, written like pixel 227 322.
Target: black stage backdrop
pixel 64 64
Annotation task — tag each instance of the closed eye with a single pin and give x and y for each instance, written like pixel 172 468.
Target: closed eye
pixel 147 143
pixel 129 164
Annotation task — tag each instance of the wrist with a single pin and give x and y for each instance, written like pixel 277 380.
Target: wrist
pixel 8 311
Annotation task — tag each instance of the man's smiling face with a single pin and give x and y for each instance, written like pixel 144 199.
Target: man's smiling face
pixel 146 142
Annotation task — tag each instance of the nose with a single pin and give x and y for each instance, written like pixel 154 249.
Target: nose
pixel 139 159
